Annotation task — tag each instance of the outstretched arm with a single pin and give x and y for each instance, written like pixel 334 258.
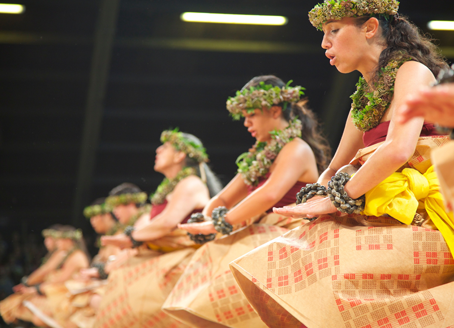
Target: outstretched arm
pixel 293 161
pixel 52 263
pixel 434 104
pixel 76 261
pixel 190 193
pixel 398 147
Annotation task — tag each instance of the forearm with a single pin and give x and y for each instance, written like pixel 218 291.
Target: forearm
pixel 214 202
pixel 325 177
pixel 255 204
pixel 151 232
pixel 378 167
pixel 36 277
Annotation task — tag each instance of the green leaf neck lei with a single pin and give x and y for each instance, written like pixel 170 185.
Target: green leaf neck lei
pixel 370 104
pixel 256 163
pixel 167 185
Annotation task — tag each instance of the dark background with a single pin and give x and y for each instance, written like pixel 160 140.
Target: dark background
pixel 86 87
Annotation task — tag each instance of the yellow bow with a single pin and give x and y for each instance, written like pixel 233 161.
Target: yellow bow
pixel 402 194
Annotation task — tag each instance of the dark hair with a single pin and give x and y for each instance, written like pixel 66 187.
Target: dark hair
pixel 99 201
pixel 56 227
pixel 213 183
pixel 310 131
pixel 402 36
pixel 126 188
pixel 79 243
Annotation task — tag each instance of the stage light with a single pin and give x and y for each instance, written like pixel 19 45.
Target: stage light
pixel 9 8
pixel 441 25
pixel 234 19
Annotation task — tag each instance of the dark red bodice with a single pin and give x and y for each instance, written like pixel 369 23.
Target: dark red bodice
pixel 157 209
pixel 289 197
pixel 378 134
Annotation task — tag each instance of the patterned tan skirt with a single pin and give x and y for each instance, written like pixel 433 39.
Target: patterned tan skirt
pixel 206 294
pixel 136 292
pixel 352 272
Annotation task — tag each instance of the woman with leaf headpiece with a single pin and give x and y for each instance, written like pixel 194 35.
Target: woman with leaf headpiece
pixel 288 153
pixel 379 250
pixel 157 251
pixel 31 303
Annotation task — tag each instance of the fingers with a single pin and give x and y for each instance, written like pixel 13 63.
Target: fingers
pixel 289 211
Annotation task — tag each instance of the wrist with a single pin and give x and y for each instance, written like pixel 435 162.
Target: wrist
pixel 351 192
pixel 340 198
pixel 220 224
pixel 128 232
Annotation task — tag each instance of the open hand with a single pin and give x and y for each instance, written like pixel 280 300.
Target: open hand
pixel 311 209
pixel 18 288
pixel 434 104
pixel 28 290
pixel 204 228
pixel 122 241
pixel 88 274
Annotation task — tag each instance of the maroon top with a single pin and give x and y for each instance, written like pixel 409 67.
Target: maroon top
pixel 378 134
pixel 157 209
pixel 289 197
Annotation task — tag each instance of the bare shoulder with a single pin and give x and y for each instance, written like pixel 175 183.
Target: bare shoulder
pixel 190 183
pixel 414 73
pixel 78 257
pixel 297 149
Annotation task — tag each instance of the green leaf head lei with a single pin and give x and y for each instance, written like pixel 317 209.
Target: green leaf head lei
pixel 262 95
pixel 177 139
pixel 125 199
pixel 94 210
pixel 338 9
pixel 75 234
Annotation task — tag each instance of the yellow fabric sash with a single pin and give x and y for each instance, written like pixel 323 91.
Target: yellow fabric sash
pixel 402 194
pixel 168 249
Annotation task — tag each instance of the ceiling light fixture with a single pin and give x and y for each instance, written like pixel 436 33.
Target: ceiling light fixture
pixel 9 8
pixel 441 25
pixel 234 19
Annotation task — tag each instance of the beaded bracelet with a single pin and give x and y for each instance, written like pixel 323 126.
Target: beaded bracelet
pixel 343 202
pixel 309 191
pixel 38 290
pixel 101 270
pixel 200 238
pixel 23 281
pixel 219 222
pixel 128 232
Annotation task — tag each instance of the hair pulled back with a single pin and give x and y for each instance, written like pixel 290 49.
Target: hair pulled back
pixel 126 188
pixel 402 36
pixel 213 183
pixel 310 131
pixel 79 243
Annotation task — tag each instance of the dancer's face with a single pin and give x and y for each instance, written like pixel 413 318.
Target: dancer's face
pixel 125 212
pixel 64 243
pixel 166 156
pixel 49 242
pixel 261 122
pixel 101 223
pixel 345 44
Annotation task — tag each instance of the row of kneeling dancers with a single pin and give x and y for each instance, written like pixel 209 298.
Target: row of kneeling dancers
pixel 295 239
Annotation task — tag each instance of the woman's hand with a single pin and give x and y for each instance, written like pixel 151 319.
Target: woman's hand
pixel 204 228
pixel 122 241
pixel 434 104
pixel 28 290
pixel 313 208
pixel 88 274
pixel 18 288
